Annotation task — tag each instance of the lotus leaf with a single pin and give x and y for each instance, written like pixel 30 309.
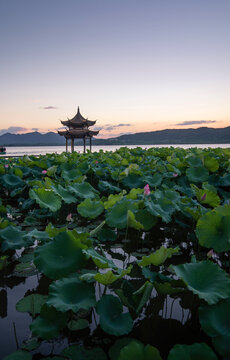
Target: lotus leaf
pixel 13 181
pixel 83 190
pixel 211 163
pixel 225 180
pixel 25 269
pixel 133 194
pixel 79 352
pixel 132 222
pixel 64 194
pixel 109 277
pixel 99 260
pixel 19 355
pixel 46 198
pixel 71 293
pixel 112 320
pixel 90 208
pixel 213 229
pixel 145 292
pixel 154 180
pixel 112 200
pixel 194 161
pixel 12 238
pixel 195 351
pixel 133 181
pixel 106 234
pixel 115 349
pixel 197 174
pixel 205 279
pixel 215 321
pixel 31 344
pixel 206 196
pixel 49 323
pixel 135 350
pixel 162 207
pixel 79 324
pixel 106 187
pixel 158 257
pixel 31 303
pixel 118 215
pixel 71 174
pixel 59 257
pixel 145 218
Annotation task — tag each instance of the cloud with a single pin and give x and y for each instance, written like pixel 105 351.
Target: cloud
pixel 12 130
pixel 48 107
pixel 108 127
pixel 195 122
pixel 35 129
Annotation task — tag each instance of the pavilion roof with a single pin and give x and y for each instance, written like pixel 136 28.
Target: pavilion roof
pixel 77 133
pixel 78 121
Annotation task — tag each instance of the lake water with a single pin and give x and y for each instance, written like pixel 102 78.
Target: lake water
pixel 42 150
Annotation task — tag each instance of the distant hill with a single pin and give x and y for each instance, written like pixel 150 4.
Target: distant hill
pixel 202 135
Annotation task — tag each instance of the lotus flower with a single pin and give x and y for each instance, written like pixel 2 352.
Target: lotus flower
pixel 210 253
pixel 6 166
pixel 175 175
pixel 146 190
pixel 69 217
pixel 44 172
pixel 203 197
pixel 96 162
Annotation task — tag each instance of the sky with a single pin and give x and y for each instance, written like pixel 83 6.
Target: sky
pixel 131 65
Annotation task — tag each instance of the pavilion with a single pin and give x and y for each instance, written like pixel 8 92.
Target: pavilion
pixel 78 128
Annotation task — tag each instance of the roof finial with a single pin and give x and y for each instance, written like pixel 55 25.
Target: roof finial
pixel 78 110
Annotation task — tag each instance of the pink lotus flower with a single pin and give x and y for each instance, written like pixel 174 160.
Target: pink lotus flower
pixel 44 172
pixel 175 175
pixel 6 166
pixel 96 162
pixel 210 253
pixel 69 218
pixel 146 190
pixel 203 197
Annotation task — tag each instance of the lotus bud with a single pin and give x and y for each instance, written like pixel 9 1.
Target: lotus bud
pixel 44 172
pixel 146 190
pixel 175 175
pixel 210 253
pixel 203 197
pixel 69 217
pixel 6 166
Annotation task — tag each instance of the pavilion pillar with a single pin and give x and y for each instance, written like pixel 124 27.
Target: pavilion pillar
pixel 66 144
pixel 90 144
pixel 84 144
pixel 72 144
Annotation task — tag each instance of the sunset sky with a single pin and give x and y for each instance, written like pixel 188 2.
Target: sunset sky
pixel 131 65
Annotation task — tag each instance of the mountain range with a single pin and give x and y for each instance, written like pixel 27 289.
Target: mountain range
pixel 202 135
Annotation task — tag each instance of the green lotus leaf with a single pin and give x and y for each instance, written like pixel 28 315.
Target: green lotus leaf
pixel 30 344
pixel 142 295
pixel 106 234
pixel 112 200
pixel 59 257
pixel 221 344
pixel 211 163
pixel 132 222
pixel 31 303
pixel 197 174
pixel 205 196
pixel 71 174
pixel 19 355
pixel 112 320
pixel 158 257
pixel 79 324
pixel 225 180
pixel 135 350
pixel 12 238
pixel 90 208
pixel 133 181
pixel 146 219
pixel 133 194
pixel 213 229
pixel 161 207
pixel 109 277
pixel 118 215
pixel 83 190
pixel 215 319
pixel 49 323
pixel 66 196
pixel 99 260
pixel 205 279
pixel 71 294
pixel 46 198
pixel 79 352
pixel 52 231
pixel 154 180
pixel 25 269
pixel 115 349
pixel 13 181
pixel 106 187
pixel 194 161
pixel 195 351
pixel 37 235
pixel 166 288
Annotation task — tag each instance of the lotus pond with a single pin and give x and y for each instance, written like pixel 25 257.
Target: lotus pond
pixel 116 255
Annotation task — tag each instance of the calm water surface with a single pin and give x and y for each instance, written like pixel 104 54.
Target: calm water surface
pixel 42 150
